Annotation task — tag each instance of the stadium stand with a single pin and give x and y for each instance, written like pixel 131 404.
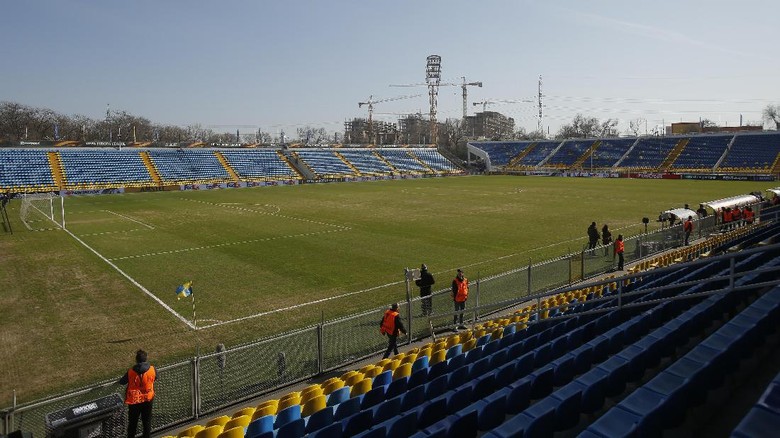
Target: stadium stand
pixel 649 153
pixel 702 152
pixel 501 153
pixel 538 370
pixel 610 151
pixel 100 168
pixel 25 170
pixel 324 163
pixel 403 161
pixel 569 152
pixel 188 166
pixel 259 164
pixel 752 152
pixel 366 162
pixel 434 160
pixel 540 152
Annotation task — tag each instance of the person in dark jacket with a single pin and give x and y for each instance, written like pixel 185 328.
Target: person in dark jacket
pixel 139 394
pixel 593 237
pixel 391 325
pixel 606 238
pixel 424 283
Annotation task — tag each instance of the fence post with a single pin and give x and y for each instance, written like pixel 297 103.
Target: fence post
pixel 476 311
pixel 529 277
pixel 408 278
pixel 196 387
pixel 320 346
pixel 582 266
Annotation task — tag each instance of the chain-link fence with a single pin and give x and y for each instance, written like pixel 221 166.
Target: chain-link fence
pixel 188 390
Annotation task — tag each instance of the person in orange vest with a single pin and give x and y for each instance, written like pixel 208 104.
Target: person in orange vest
pixel 727 217
pixel 139 394
pixel 460 293
pixel 748 215
pixel 391 325
pixel 619 251
pixel 688 228
pixel 736 216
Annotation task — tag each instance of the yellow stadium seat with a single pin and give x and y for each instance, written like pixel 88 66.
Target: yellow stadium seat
pixel 373 372
pixel 273 402
pixel 497 334
pixel 233 432
pixel 246 411
pixel 348 374
pixel 404 370
pixel 391 366
pixel 332 386
pixel 410 358
pixel 469 345
pixel 452 341
pixel 313 405
pixel 366 368
pixel 285 403
pixel 354 378
pixel 399 357
pixel 263 411
pixel 242 421
pixel 190 431
pixel 210 431
pixel 438 356
pixel 218 421
pixel 310 394
pixel 310 388
pixel 361 387
pixel 425 352
pixel 383 362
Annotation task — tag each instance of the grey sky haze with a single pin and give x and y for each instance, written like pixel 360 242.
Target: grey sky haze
pixel 280 64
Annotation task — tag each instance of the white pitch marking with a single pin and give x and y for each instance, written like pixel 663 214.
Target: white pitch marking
pixel 110 232
pixel 130 219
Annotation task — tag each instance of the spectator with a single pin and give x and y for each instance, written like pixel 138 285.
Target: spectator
pixel 424 283
pixel 619 251
pixel 702 212
pixel 391 325
pixel 139 394
pixel 727 217
pixel 460 293
pixel 749 215
pixel 593 237
pixel 688 228
pixel 736 216
pixel 606 238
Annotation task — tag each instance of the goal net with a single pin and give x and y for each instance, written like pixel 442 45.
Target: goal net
pixel 42 211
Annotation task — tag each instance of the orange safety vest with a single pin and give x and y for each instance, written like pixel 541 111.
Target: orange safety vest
pixel 388 322
pixel 727 216
pixel 463 290
pixel 140 387
pixel 748 216
pixel 736 214
pixel 688 226
pixel 618 247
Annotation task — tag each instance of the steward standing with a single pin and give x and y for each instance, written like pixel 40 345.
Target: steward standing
pixel 139 394
pixel 460 293
pixel 391 325
pixel 606 238
pixel 424 283
pixel 619 251
pixel 688 228
pixel 593 237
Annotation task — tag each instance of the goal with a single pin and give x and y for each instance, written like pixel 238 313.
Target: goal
pixel 39 211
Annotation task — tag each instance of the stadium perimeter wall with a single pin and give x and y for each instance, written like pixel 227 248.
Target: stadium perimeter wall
pixel 194 388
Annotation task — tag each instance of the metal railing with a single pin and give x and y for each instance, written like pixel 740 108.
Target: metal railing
pixel 188 390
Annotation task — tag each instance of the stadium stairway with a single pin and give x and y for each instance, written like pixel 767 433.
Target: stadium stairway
pixel 591 150
pixel 151 167
pixel 226 165
pixel 673 154
pixel 56 169
pixel 519 157
pixel 351 166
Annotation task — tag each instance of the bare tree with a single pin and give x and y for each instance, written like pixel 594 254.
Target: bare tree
pixel 312 135
pixel 635 126
pixel 772 115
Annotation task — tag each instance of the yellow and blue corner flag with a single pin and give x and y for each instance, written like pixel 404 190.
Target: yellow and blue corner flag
pixel 184 290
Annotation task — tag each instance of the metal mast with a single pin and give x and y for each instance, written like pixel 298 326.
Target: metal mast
pixel 433 78
pixel 539 123
pixel 465 94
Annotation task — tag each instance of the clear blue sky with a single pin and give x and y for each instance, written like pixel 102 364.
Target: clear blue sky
pixel 279 64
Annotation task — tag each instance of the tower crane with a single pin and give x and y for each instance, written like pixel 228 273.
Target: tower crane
pixel 370 103
pixel 487 102
pixel 463 86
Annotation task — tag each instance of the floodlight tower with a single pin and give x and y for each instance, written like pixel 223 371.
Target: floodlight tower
pixel 539 123
pixel 433 78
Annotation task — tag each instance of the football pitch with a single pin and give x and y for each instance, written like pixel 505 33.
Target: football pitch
pixel 78 303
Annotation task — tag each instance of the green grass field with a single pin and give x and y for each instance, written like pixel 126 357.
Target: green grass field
pixel 258 256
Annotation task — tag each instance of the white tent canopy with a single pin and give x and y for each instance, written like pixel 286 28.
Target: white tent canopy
pixel 680 213
pixel 776 191
pixel 741 200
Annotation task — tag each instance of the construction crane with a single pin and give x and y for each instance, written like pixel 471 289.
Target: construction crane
pixel 485 103
pixel 370 103
pixel 463 86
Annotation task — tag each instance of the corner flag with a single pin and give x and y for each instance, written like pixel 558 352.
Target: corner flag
pixel 184 290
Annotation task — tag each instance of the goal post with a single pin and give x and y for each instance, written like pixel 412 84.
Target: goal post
pixel 39 210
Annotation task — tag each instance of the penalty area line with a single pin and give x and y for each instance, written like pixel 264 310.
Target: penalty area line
pixel 130 219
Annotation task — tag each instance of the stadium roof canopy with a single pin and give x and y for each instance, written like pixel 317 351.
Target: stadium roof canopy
pixel 776 191
pixel 740 200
